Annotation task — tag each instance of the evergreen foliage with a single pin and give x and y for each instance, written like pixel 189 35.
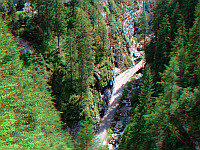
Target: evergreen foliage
pixel 160 10
pixel 180 49
pixel 29 119
pixel 135 135
pixel 83 50
pixel 86 136
pixel 194 49
pixel 171 121
pixel 143 28
pixel 162 49
pixel 76 50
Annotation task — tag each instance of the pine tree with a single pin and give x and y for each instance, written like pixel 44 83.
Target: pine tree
pixel 8 117
pixel 86 136
pixel 175 17
pixel 163 48
pixel 160 10
pixel 187 118
pixel 26 102
pixel 165 132
pixel 147 91
pixel 135 136
pixel 180 49
pixel 143 28
pixel 194 48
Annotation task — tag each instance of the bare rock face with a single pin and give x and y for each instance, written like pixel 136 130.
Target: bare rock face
pixel 26 47
pixel 107 94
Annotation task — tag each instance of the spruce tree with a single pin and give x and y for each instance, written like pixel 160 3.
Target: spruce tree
pixel 136 135
pixel 143 28
pixel 160 10
pixel 163 48
pixel 26 101
pixel 175 17
pixel 147 91
pixel 86 136
pixel 165 132
pixel 8 117
pixel 180 49
pixel 194 48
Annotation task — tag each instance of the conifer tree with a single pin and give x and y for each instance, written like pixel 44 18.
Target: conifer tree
pixel 50 22
pixel 10 76
pixel 34 118
pixel 85 51
pixel 175 17
pixel 79 57
pixel 160 10
pixel 66 75
pixel 146 99
pixel 188 11
pixel 143 27
pixel 86 136
pixel 7 118
pixel 194 48
pixel 164 132
pixel 59 23
pixel 163 47
pixel 180 49
pixel 35 121
pixel 135 136
pixel 187 118
pixel 150 52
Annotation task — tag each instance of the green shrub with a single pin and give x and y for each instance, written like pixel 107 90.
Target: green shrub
pixel 26 57
pixel 112 125
pixel 19 22
pixel 124 94
pixel 133 77
pixel 129 84
pixel 110 132
pixel 135 97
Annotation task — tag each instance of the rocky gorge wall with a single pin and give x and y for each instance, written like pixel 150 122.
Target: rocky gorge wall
pixel 129 13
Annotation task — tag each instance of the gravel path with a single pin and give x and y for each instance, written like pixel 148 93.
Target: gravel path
pixel 119 86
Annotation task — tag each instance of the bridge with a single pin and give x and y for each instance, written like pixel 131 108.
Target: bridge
pixel 119 86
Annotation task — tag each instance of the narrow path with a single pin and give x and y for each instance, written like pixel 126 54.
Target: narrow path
pixel 119 86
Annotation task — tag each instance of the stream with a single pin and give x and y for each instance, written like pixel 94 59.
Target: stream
pixel 131 15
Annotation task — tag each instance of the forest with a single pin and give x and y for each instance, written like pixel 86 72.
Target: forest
pixel 167 112
pixel 60 77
